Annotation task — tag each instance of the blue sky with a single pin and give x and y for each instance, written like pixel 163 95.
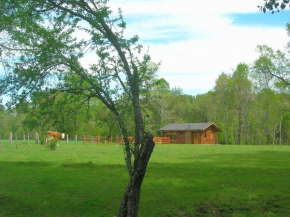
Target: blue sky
pixel 262 19
pixel 198 40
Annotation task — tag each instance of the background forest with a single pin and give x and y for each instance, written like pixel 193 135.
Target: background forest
pixel 251 105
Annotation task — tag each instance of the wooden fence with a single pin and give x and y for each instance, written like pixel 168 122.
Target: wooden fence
pixel 157 140
pixel 162 140
pixel 120 140
pixel 89 139
pixel 97 139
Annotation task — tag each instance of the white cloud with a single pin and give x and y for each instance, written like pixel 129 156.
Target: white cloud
pixel 197 38
pixel 182 7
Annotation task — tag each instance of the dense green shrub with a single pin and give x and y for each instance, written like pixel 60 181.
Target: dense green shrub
pixel 52 144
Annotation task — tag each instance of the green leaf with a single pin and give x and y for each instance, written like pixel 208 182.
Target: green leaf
pixel 283 6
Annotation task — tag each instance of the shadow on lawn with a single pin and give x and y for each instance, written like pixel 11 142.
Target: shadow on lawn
pixel 92 165
pixel 30 163
pixel 36 164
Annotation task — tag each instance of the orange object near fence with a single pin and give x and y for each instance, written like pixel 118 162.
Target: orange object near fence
pixel 157 140
pixel 165 140
pixel 131 140
pixel 120 140
pixel 162 140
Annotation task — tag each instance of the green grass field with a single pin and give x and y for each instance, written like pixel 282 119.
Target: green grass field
pixel 181 180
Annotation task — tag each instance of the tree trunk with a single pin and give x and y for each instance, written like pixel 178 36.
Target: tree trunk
pixel 10 137
pixel 240 126
pixel 234 131
pixel 28 138
pixel 36 138
pixel 280 130
pixel 267 126
pixel 16 144
pixel 130 202
pixel 227 125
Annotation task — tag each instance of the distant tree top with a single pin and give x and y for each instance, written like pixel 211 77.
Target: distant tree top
pixel 274 5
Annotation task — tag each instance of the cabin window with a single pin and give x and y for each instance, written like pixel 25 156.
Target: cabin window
pixel 174 136
pixel 180 133
pixel 211 135
pixel 204 135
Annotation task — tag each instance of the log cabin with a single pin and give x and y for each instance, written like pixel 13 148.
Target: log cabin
pixel 191 133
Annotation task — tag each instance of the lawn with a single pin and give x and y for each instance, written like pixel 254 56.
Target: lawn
pixel 181 180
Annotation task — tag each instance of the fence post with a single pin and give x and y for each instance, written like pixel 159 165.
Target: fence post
pixel 67 139
pixel 23 138
pixel 10 137
pixel 44 139
pixel 76 138
pixel 28 138
pixel 37 137
pixel 16 145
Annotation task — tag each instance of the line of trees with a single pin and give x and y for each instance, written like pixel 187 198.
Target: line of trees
pixel 250 105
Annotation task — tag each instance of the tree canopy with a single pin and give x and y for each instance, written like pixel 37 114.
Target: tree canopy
pixel 274 5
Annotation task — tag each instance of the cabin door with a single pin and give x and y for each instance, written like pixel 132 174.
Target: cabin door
pixel 195 137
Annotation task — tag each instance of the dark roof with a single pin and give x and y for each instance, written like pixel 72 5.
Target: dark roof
pixel 188 126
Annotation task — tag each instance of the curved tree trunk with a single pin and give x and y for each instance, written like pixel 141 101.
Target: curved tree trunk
pixel 130 202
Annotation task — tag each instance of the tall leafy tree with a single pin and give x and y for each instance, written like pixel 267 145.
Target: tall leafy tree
pixel 264 68
pixel 270 76
pixel 158 104
pixel 271 66
pixel 43 47
pixel 202 108
pixel 224 97
pixel 241 87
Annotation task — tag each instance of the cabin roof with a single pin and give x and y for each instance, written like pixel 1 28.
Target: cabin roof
pixel 188 127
